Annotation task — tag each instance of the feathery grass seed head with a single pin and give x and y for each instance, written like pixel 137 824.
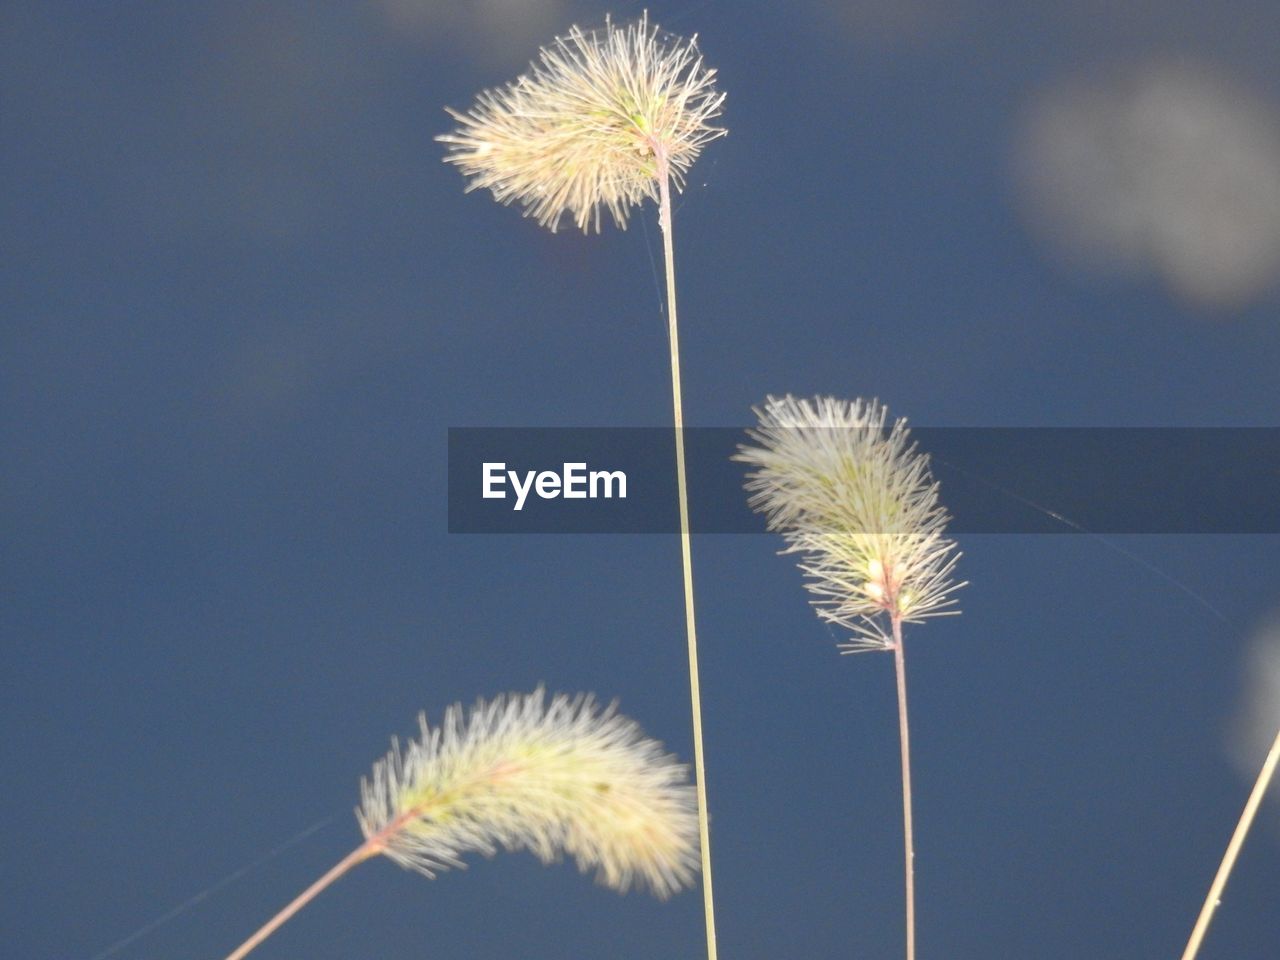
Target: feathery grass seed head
pixel 591 125
pixel 857 502
pixel 567 777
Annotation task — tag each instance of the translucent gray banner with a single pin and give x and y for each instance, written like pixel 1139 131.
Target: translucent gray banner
pixel 992 480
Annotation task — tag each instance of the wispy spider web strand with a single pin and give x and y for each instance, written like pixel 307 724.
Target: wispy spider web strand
pixel 154 925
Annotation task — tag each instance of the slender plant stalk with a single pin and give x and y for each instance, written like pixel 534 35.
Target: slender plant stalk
pixel 828 478
pixel 1233 850
pixel 695 695
pixel 904 736
pixel 361 853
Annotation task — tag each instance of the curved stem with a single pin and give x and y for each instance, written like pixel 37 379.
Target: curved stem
pixel 900 665
pixel 358 855
pixel 695 695
pixel 1233 850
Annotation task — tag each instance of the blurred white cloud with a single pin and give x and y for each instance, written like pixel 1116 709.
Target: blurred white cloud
pixel 1258 713
pixel 1161 168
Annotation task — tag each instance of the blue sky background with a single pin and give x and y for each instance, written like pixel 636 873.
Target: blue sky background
pixel 243 300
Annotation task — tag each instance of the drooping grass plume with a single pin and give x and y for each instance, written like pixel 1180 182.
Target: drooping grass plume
pixel 603 120
pixel 518 773
pixel 857 502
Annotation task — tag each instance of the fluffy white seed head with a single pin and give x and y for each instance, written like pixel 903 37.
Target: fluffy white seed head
pixel 856 501
pixel 590 125
pixel 515 772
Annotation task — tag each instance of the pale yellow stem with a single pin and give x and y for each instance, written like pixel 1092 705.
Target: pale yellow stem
pixel 1233 850
pixel 695 695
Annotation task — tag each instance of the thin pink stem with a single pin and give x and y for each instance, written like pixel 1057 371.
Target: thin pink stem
pixel 904 736
pixel 359 854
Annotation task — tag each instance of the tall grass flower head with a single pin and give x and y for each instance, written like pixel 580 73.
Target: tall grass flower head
pixel 594 124
pixel 854 498
pixel 851 494
pixel 603 120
